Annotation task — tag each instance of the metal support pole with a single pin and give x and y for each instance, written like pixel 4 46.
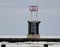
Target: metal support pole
pixel 3 45
pixel 45 45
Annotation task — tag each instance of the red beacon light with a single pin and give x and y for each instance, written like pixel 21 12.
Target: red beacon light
pixel 33 8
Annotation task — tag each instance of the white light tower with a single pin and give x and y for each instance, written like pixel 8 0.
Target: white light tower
pixel 34 11
pixel 33 23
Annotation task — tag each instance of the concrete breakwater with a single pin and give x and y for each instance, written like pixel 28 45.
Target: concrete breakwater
pixel 30 44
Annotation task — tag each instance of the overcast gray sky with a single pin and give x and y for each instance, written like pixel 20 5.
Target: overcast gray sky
pixel 14 15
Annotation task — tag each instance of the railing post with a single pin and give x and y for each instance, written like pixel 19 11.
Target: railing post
pixel 45 45
pixel 3 45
